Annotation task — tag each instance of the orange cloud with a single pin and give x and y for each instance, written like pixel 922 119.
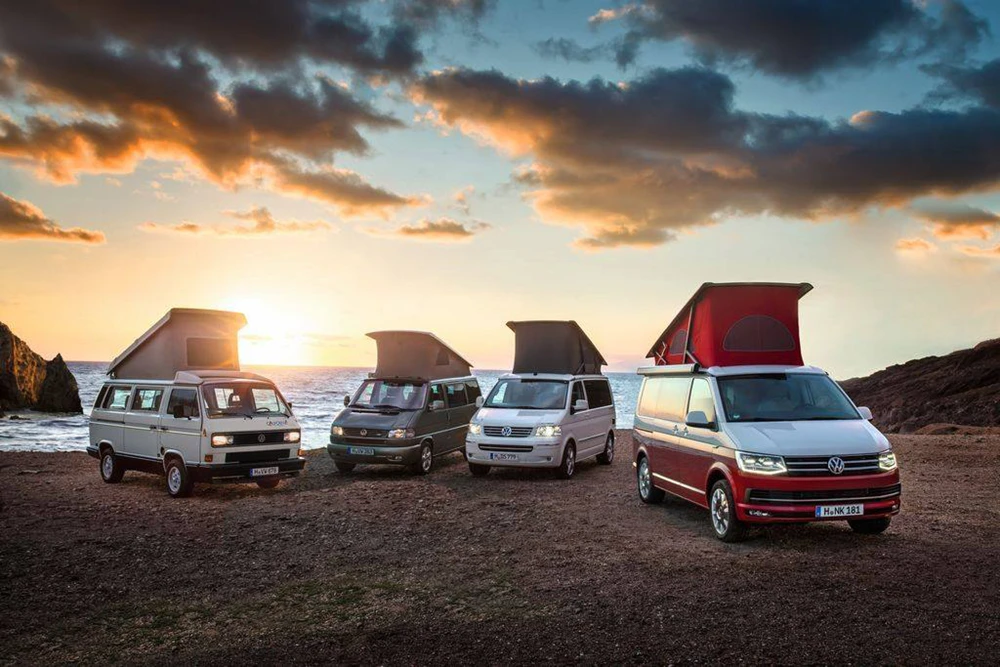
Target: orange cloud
pixel 264 224
pixel 441 230
pixel 21 220
pixel 915 246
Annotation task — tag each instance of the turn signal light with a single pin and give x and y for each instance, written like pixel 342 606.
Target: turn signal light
pixel 208 458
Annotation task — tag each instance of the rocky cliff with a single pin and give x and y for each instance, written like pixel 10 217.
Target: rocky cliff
pixel 959 388
pixel 28 381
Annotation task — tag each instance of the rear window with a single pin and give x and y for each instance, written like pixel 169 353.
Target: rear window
pixel 457 396
pixel 598 393
pixel 147 400
pixel 116 398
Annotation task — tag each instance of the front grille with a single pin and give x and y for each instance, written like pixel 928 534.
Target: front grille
pixel 368 432
pixel 269 437
pixel 515 431
pixel 816 466
pixel 506 448
pixel 260 456
pixel 764 496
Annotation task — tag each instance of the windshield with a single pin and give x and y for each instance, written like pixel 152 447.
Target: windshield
pixel 390 395
pixel 243 399
pixel 781 397
pixel 528 394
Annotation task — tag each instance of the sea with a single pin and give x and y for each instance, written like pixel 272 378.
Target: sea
pixel 316 394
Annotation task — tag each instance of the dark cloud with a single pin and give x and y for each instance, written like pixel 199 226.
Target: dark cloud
pixel 949 220
pixel 21 220
pixel 801 39
pixel 977 83
pixel 442 229
pixel 635 162
pixel 264 224
pixel 572 51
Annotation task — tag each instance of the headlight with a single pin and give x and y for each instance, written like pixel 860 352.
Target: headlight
pixel 292 436
pixel 221 440
pixel 475 429
pixel 887 461
pixel 548 431
pixel 398 433
pixel 762 464
pixel 336 430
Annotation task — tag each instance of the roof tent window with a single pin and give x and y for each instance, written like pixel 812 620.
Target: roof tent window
pixel 211 353
pixel 758 333
pixel 678 342
pixel 442 358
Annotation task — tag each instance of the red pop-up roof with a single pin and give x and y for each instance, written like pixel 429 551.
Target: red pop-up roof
pixel 735 324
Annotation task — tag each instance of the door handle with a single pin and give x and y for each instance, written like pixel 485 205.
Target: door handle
pixel 684 431
pixel 164 428
pixel 152 428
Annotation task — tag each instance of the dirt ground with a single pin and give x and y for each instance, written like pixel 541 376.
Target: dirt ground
pixel 380 567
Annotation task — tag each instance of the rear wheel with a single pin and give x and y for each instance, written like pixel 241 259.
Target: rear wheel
pixel 647 492
pixel 726 525
pixel 269 482
pixel 607 457
pixel 568 465
pixel 344 467
pixel 870 526
pixel 426 462
pixel 478 469
pixel 179 482
pixel 111 468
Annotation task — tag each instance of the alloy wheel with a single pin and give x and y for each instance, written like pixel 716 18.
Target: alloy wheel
pixel 720 511
pixel 645 482
pixel 107 466
pixel 426 458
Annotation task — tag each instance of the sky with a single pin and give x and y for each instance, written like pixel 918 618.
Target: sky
pixel 334 167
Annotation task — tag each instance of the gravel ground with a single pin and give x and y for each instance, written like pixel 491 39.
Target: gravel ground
pixel 381 567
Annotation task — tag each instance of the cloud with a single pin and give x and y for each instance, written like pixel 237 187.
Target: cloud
pixel 21 220
pixel 978 83
pixel 802 40
pixel 461 199
pixel 442 230
pixel 915 246
pixel 975 251
pixel 264 224
pixel 342 188
pixel 958 221
pixel 572 51
pixel 633 163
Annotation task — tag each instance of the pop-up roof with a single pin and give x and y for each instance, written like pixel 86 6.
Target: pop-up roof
pixel 549 346
pixel 735 324
pixel 416 354
pixel 183 339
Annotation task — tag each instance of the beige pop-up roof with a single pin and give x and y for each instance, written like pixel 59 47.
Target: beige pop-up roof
pixel 416 354
pixel 182 340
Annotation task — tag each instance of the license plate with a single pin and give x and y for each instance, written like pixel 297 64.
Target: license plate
pixel 500 456
pixel 838 511
pixel 361 451
pixel 264 472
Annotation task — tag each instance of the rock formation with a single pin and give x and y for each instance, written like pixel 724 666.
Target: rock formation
pixel 28 381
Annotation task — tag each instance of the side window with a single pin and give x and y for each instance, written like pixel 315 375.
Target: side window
pixel 647 401
pixel 116 398
pixel 365 397
pixel 578 394
pixel 702 399
pixel 187 399
pixel 456 395
pixel 99 403
pixel 147 400
pixel 598 393
pixel 672 398
pixel 435 394
pixel 472 389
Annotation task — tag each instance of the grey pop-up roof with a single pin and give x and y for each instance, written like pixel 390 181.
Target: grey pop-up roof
pixel 416 354
pixel 184 339
pixel 554 346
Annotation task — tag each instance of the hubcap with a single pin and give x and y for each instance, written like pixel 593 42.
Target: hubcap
pixel 107 466
pixel 570 461
pixel 610 448
pixel 425 458
pixel 720 511
pixel 174 479
pixel 645 483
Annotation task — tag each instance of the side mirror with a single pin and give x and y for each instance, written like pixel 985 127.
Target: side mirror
pixel 480 401
pixel 698 419
pixel 435 406
pixel 866 413
pixel 580 405
pixel 347 401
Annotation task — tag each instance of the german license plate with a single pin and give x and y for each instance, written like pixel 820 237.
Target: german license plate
pixel 361 451
pixel 839 511
pixel 500 456
pixel 264 472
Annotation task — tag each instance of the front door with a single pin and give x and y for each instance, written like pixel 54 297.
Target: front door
pixel 459 413
pixel 142 423
pixel 585 424
pixel 180 424
pixel 698 446
pixel 434 423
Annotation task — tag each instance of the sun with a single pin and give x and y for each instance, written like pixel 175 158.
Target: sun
pixel 274 332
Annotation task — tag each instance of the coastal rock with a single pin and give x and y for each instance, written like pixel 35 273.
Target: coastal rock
pixel 28 381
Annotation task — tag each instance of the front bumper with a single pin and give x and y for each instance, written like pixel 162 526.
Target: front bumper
pixel 92 451
pixel 795 499
pixel 531 452
pixel 407 452
pixel 238 472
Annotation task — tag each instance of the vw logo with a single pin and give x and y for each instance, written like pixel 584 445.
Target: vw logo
pixel 505 431
pixel 364 432
pixel 836 465
pixel 261 438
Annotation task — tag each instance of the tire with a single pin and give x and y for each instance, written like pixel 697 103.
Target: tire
pixel 426 461
pixel 568 465
pixel 870 526
pixel 110 467
pixel 607 457
pixel 479 470
pixel 344 467
pixel 269 482
pixel 648 493
pixel 722 513
pixel 179 482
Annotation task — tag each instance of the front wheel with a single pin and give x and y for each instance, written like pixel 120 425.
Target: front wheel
pixel 568 465
pixel 179 482
pixel 725 523
pixel 269 482
pixel 111 468
pixel 426 462
pixel 870 526
pixel 607 457
pixel 478 469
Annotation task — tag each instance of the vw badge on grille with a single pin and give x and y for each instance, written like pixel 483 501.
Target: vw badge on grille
pixel 364 432
pixel 261 438
pixel 836 465
pixel 505 431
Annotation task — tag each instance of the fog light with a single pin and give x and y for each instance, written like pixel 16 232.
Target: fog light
pixel 208 458
pixel 302 452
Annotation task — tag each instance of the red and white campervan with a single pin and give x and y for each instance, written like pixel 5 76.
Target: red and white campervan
pixel 731 419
